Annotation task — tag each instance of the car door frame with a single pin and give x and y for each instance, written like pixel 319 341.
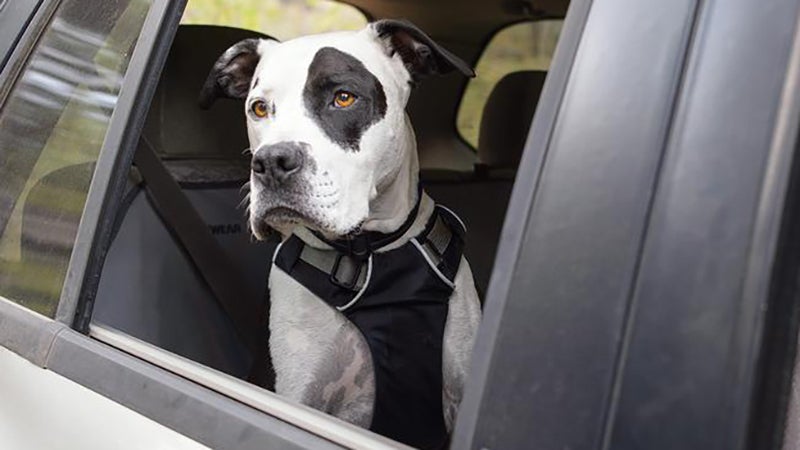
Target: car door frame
pixel 14 19
pixel 616 357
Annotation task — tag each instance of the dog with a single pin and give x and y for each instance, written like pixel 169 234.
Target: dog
pixel 373 308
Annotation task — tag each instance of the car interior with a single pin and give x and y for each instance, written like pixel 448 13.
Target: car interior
pixel 151 286
pixel 181 265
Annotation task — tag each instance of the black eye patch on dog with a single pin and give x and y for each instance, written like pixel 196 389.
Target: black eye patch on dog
pixel 332 71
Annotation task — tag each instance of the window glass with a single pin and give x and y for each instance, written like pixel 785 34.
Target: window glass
pixel 281 19
pixel 52 127
pixel 524 46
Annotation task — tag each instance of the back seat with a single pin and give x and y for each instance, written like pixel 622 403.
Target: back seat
pixel 481 198
pixel 149 287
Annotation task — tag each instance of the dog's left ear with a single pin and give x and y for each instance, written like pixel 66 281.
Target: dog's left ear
pixel 420 54
pixel 231 75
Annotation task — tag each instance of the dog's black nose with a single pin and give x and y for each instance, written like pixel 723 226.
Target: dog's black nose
pixel 279 161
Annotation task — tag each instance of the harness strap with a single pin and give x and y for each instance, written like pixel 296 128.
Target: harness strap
pixel 349 272
pixel 436 240
pixel 344 270
pixel 442 244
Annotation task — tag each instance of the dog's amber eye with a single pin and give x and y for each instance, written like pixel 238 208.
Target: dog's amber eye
pixel 259 108
pixel 344 99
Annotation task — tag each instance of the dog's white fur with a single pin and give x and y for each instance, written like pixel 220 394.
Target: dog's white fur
pixel 320 358
pixel 374 188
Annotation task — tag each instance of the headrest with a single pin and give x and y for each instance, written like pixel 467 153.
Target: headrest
pixel 175 125
pixel 507 118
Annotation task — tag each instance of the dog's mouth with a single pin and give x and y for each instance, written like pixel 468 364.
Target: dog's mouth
pixel 284 219
pixel 281 216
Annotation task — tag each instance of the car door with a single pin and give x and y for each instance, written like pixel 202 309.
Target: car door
pixel 642 296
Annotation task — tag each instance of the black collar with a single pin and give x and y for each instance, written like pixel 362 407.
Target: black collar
pixel 363 244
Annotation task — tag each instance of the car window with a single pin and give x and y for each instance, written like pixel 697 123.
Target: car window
pixel 52 127
pixel 281 19
pixel 524 46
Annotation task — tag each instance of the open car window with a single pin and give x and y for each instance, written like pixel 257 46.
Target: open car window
pixel 150 300
pixel 154 298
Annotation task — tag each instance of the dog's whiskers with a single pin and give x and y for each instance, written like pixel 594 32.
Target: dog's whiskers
pixel 249 226
pixel 245 200
pixel 247 151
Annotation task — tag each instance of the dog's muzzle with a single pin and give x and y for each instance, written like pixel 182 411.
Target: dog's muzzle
pixel 281 194
pixel 279 164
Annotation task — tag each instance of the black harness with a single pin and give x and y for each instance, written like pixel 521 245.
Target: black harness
pixel 398 299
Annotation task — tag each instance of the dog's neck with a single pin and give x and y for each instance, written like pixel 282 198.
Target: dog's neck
pixel 421 216
pixel 395 200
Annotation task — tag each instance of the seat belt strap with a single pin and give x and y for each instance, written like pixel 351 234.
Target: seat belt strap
pixel 214 265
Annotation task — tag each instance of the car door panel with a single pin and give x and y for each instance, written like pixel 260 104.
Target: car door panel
pixel 695 324
pixel 36 402
pixel 572 280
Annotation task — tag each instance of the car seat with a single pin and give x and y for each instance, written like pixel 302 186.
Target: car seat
pixel 150 288
pixel 481 198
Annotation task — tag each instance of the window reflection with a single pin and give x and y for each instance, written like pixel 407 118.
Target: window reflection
pixel 51 130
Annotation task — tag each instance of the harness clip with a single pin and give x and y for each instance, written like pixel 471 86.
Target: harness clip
pixel 356 270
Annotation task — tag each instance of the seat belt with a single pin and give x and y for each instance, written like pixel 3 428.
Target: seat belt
pixel 214 265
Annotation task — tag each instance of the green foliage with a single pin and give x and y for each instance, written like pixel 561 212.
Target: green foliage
pixel 281 19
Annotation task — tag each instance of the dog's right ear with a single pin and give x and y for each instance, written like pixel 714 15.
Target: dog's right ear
pixel 231 75
pixel 420 54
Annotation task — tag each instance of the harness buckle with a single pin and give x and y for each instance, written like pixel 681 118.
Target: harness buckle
pixel 359 247
pixel 334 277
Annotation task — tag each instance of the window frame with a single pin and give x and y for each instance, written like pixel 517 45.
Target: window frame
pixel 14 19
pixel 26 41
pixel 105 190
pixel 116 156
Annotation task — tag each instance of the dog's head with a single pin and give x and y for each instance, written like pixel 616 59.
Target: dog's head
pixel 326 120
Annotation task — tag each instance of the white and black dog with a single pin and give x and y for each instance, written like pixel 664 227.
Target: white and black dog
pixel 373 307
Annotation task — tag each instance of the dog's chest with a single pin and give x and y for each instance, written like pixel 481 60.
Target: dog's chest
pixel 320 358
pixel 384 350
